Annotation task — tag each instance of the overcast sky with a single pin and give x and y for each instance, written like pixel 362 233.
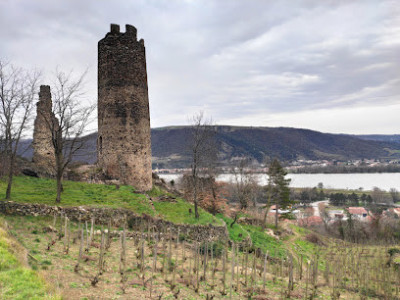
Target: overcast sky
pixel 331 66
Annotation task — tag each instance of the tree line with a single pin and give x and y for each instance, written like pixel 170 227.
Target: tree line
pixel 344 169
pixel 376 196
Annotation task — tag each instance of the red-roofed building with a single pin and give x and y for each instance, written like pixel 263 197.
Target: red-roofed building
pixel 359 212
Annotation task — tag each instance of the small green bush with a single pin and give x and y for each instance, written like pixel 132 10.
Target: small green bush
pixel 393 251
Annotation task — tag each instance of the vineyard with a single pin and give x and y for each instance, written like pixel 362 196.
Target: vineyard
pixel 85 260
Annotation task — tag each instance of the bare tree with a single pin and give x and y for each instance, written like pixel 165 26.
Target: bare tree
pixel 17 94
pixel 68 121
pixel 203 153
pixel 210 193
pixel 380 196
pixel 244 187
pixel 394 193
pixel 245 184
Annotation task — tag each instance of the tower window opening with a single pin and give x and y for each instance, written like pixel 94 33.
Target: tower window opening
pixel 101 144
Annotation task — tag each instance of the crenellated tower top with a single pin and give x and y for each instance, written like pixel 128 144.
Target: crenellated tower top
pixel 130 33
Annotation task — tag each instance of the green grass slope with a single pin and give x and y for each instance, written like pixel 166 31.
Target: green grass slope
pixel 41 190
pixel 16 280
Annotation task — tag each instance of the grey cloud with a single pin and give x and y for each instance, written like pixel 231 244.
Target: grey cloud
pixel 228 58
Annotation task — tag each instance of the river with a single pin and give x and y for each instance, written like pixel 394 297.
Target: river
pixel 366 181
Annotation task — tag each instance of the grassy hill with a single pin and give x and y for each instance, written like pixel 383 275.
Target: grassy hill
pixel 41 190
pixel 17 279
pixel 328 269
pixel 290 262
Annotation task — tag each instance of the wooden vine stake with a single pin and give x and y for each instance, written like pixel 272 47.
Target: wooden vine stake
pixel 169 250
pixel 184 258
pixel 87 236
pixel 108 244
pixel 205 249
pixel 232 270
pixel 53 235
pixel 101 257
pixel 55 220
pixel 307 278
pixel 61 223
pixel 191 257
pixel 148 231
pixel 68 234
pixel 122 262
pixel 224 256
pixel 246 258
pixel 142 258
pixel 164 251
pixel 154 269
pixel 253 275
pixel 65 234
pixel 213 265
pixel 315 276
pixel 265 271
pixel 291 281
pixel 76 269
pixel 237 270
pixel 197 266
pixel 175 267
pixel 91 234
pixel 301 267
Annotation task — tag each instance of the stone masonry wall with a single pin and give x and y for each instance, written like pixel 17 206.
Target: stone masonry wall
pixel 117 216
pixel 43 150
pixel 124 146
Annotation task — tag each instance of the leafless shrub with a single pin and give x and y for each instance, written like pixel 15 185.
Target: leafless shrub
pixel 315 239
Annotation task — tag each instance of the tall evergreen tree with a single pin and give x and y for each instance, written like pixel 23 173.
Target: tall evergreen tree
pixel 278 188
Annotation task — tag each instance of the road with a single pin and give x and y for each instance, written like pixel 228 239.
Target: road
pixel 315 206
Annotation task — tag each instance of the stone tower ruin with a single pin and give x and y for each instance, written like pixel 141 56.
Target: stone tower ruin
pixel 123 145
pixel 43 150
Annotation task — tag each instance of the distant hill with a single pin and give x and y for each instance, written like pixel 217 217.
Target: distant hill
pixel 87 155
pixel 170 145
pixel 392 138
pixel 260 142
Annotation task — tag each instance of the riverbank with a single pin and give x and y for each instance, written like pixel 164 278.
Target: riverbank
pixel 353 181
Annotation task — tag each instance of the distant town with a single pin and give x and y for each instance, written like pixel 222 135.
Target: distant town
pixel 312 166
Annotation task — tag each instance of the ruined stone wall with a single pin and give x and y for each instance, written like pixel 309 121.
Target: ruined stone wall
pixel 43 150
pixel 124 146
pixel 117 217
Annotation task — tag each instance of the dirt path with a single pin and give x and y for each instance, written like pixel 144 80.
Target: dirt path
pixel 315 206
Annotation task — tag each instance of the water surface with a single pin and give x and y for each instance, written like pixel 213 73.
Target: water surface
pixel 353 181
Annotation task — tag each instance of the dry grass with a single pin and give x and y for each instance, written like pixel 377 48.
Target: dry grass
pixel 174 274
